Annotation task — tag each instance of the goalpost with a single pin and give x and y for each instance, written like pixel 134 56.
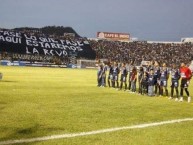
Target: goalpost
pixel 84 63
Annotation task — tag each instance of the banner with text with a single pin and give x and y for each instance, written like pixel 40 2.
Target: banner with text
pixel 21 43
pixel 113 36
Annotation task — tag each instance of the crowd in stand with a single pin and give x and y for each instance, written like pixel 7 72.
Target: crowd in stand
pixel 143 51
pixel 128 51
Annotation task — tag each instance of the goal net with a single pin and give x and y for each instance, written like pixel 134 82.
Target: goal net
pixel 83 63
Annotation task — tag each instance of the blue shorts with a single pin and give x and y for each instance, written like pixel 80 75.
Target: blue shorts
pixel 115 78
pixel 174 84
pixel 163 83
pixel 123 78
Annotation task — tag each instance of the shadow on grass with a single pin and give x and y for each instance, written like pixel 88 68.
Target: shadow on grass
pixel 27 131
pixel 30 132
pixel 21 133
pixel 7 81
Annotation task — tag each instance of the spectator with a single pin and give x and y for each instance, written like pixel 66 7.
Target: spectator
pixel 139 51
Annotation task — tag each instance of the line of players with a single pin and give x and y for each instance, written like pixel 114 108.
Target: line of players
pixel 152 80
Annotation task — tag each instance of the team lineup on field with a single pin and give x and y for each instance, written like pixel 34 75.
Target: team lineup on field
pixel 151 79
pixel 40 102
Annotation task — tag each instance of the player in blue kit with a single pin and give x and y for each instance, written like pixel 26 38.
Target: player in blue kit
pixel 110 76
pixel 144 83
pixel 130 68
pixel 115 75
pixel 99 75
pixel 157 77
pixel 175 76
pixel 164 75
pixel 103 79
pixel 123 76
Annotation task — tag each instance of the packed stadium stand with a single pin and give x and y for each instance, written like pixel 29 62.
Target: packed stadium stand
pixel 143 51
pixel 64 44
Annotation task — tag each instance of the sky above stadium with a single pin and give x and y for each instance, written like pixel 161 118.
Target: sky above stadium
pixel 156 20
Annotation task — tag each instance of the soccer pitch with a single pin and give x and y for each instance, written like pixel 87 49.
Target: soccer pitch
pixel 39 102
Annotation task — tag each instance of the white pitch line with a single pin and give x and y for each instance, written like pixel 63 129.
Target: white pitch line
pixel 62 136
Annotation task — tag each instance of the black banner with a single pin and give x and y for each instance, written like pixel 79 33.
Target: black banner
pixel 21 43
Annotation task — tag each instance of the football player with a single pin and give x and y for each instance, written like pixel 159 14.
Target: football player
pixel 110 76
pixel 123 76
pixel 186 75
pixel 157 76
pixel 115 75
pixel 164 75
pixel 175 76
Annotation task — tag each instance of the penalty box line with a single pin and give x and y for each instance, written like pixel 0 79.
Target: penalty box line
pixel 62 136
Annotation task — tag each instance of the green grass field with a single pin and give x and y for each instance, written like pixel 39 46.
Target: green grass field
pixel 37 102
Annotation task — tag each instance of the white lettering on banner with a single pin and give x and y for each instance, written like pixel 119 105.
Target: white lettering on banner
pixel 124 36
pixel 66 47
pixel 30 37
pixel 35 43
pixel 53 45
pixel 59 53
pixel 42 44
pixel 74 43
pixel 47 40
pixel 52 40
pixel 63 41
pixel 39 45
pixel 42 39
pixel 28 42
pixel 47 45
pixel 68 42
pixel 112 35
pixel 116 36
pixel 51 52
pixel 10 39
pixel 46 52
pixel 2 38
pixel 65 53
pixel 73 48
pixel 59 46
pixel 35 51
pixel 10 33
pixel 27 51
pixel 78 43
